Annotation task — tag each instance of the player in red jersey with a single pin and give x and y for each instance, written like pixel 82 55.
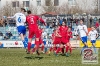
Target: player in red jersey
pixel 63 30
pixel 68 45
pixel 57 39
pixel 54 46
pixel 33 30
pixel 40 39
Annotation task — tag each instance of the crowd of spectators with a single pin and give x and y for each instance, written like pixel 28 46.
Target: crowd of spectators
pixel 6 36
pixel 52 22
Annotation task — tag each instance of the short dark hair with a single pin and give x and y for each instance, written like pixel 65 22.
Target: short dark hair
pixel 22 9
pixel 29 12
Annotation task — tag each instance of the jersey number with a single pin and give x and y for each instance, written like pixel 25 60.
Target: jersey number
pixel 19 19
pixel 32 20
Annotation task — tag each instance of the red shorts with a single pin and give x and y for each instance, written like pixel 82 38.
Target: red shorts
pixel 33 32
pixel 57 40
pixel 40 41
pixel 64 40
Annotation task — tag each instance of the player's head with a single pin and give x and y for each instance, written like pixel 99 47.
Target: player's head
pixel 81 22
pixel 93 27
pixel 29 12
pixel 23 10
pixel 63 23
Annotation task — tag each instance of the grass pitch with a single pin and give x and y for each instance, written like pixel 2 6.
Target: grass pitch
pixel 18 57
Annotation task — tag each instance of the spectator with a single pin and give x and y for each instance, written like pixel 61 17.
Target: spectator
pixel 12 22
pixel 1 34
pixel 91 20
pixel 95 19
pixel 76 22
pixel 1 22
pixel 60 21
pixel 97 26
pixel 68 21
pixel 64 20
pixel 99 20
pixel 8 35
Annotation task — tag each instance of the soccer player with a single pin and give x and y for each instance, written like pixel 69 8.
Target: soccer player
pixel 68 45
pixel 82 30
pixel 54 46
pixel 56 40
pixel 40 39
pixel 93 34
pixel 44 37
pixel 33 30
pixel 20 23
pixel 63 30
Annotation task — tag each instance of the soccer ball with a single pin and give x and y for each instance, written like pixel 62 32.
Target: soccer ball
pixel 16 43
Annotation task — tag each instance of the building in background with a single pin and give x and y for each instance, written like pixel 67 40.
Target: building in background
pixel 37 6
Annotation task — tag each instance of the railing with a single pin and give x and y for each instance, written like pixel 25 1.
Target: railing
pixel 15 35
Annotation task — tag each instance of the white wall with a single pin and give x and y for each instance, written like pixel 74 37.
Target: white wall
pixel 84 4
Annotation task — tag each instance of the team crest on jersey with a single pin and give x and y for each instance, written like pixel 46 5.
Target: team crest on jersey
pixel 89 56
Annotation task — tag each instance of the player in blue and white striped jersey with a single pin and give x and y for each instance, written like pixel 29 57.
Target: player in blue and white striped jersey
pixel 93 34
pixel 82 32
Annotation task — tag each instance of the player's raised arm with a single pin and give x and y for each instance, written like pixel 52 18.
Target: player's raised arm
pixel 41 20
pixel 11 17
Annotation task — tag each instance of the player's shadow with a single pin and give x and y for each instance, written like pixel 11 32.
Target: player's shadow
pixel 29 57
pixel 32 57
pixel 39 58
pixel 63 54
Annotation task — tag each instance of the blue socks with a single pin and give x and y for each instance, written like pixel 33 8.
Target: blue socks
pixel 25 42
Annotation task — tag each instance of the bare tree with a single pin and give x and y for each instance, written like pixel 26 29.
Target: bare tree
pixel 95 4
pixel 77 9
pixel 63 9
pixel 49 6
pixel 34 9
pixel 8 10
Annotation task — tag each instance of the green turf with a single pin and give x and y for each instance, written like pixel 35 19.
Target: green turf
pixel 18 57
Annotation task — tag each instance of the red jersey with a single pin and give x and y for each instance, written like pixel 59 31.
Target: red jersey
pixel 40 32
pixel 56 37
pixel 32 21
pixel 63 30
pixel 69 35
pixel 53 36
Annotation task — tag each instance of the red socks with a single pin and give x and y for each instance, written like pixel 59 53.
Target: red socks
pixel 51 49
pixel 54 48
pixel 29 46
pixel 62 50
pixel 42 48
pixel 58 50
pixel 70 49
pixel 37 45
pixel 33 50
pixel 67 48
